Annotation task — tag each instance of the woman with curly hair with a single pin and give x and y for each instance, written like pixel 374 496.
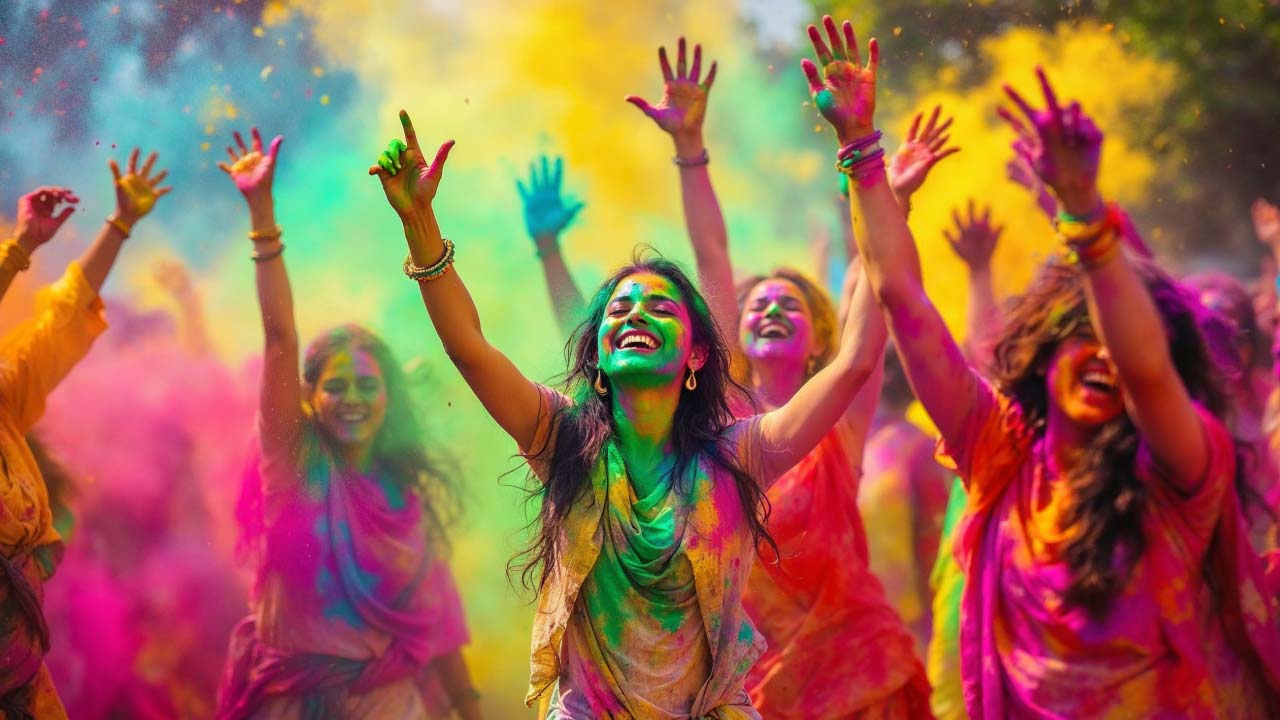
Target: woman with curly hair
pixel 652 491
pixel 1108 573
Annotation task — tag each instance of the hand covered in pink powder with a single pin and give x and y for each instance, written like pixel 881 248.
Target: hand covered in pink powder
pixel 40 213
pixel 1019 170
pixel 546 212
pixel 252 170
pixel 918 154
pixel 409 182
pixel 975 238
pixel 683 106
pixel 1062 145
pixel 845 91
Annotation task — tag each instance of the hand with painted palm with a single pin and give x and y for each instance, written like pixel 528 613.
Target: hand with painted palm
pixel 683 106
pixel 251 169
pixel 1062 145
pixel 546 211
pixel 137 190
pixel 408 181
pixel 843 89
pixel 974 238
pixel 41 213
pixel 918 154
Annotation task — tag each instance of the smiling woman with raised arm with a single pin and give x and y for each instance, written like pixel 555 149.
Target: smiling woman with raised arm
pixel 835 646
pixel 1107 570
pixel 354 611
pixel 652 492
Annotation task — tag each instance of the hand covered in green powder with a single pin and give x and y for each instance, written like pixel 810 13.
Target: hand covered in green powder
pixel 409 182
pixel 546 212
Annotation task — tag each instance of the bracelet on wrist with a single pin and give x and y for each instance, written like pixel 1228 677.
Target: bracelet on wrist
pixel 865 164
pixel 124 228
pixel 259 256
pixel 14 257
pixel 1092 243
pixel 701 159
pixel 861 145
pixel 266 235
pixel 434 271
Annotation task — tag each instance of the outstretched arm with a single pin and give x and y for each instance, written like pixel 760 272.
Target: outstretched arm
pixel 680 114
pixel 974 242
pixel 410 185
pixel 173 276
pixel 136 193
pixel 922 149
pixel 1064 146
pixel 845 94
pixel 280 398
pixel 40 213
pixel 546 214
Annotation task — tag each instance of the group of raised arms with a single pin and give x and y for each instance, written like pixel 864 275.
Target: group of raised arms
pixel 1092 538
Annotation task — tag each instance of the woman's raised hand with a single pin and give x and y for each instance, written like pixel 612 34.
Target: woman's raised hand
pixel 684 94
pixel 409 182
pixel 40 213
pixel 1062 145
pixel 546 212
pixel 137 190
pixel 974 239
pixel 843 90
pixel 919 153
pixel 252 170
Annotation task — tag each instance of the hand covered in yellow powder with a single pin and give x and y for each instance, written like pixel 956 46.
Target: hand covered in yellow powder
pixel 683 106
pixel 409 182
pixel 137 190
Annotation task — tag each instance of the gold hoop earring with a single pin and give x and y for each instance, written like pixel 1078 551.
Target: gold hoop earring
pixel 691 382
pixel 600 388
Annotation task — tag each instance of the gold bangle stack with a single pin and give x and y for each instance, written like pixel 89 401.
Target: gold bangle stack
pixel 432 272
pixel 262 238
pixel 269 235
pixel 14 257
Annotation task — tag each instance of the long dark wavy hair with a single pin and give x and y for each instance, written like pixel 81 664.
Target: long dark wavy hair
pixel 399 447
pixel 822 312
pixel 586 424
pixel 1104 519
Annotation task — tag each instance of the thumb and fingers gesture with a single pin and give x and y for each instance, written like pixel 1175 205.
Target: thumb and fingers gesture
pixel 137 189
pixel 843 89
pixel 974 238
pixel 919 153
pixel 250 168
pixel 41 212
pixel 408 181
pixel 684 92
pixel 546 210
pixel 1062 145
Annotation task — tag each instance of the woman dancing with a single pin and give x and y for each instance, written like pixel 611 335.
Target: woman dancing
pixel 836 648
pixel 1103 545
pixel 354 612
pixel 652 492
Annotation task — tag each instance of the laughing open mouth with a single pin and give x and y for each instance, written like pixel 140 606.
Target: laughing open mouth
pixel 637 340
pixel 773 330
pixel 1098 380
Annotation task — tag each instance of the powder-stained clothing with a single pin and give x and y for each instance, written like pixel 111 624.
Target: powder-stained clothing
pixel 947 582
pixel 1166 647
pixel 903 497
pixel 642 617
pixel 33 359
pixel 353 599
pixel 836 648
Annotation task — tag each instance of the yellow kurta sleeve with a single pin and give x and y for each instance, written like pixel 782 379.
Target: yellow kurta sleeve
pixel 34 358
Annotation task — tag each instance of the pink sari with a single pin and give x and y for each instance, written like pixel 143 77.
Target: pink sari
pixel 352 601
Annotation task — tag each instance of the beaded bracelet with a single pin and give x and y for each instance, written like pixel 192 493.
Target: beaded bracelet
pixel 698 161
pixel 861 144
pixel 432 272
pixel 865 165
pixel 14 257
